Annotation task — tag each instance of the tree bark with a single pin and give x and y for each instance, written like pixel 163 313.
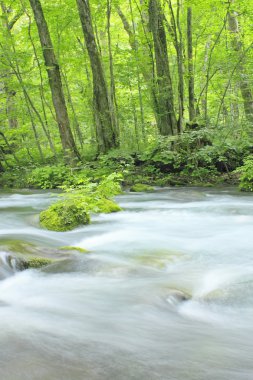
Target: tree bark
pixel 167 123
pixel 176 32
pixel 191 91
pixel 244 83
pixel 113 98
pixel 10 93
pixel 55 82
pixel 106 130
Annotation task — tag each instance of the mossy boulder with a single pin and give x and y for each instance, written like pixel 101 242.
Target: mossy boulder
pixel 65 216
pixel 106 206
pixel 36 262
pixel 140 188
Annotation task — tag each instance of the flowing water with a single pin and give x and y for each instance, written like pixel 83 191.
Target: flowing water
pixel 166 292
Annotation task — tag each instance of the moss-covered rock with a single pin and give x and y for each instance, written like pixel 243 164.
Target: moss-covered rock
pixel 16 246
pixel 140 188
pixel 106 206
pixel 24 255
pixel 65 215
pixel 36 262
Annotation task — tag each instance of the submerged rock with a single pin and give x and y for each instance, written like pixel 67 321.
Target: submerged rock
pixel 159 259
pixel 176 296
pixel 140 188
pixel 16 246
pixel 20 255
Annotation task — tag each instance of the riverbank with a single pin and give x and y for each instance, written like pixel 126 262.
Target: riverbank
pixel 56 176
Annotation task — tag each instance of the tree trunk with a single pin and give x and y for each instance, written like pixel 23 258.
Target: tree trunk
pixel 1 167
pixel 167 123
pixel 55 82
pixel 244 83
pixel 10 93
pixel 176 32
pixel 192 112
pixel 106 130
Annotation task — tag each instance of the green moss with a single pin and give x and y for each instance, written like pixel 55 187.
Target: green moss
pixel 37 262
pixel 65 215
pixel 106 206
pixel 140 187
pixel 17 246
pixel 78 249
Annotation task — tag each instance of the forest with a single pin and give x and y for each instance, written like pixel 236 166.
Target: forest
pixel 159 89
pixel 126 180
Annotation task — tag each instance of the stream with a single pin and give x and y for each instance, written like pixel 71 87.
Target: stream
pixel 166 291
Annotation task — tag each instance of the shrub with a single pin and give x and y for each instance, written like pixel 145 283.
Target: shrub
pixel 49 177
pixel 246 174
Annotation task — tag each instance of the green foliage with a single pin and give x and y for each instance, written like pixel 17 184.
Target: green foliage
pixel 109 186
pixel 49 177
pixel 116 160
pixel 246 174
pixel 197 154
pixel 80 201
pixel 14 179
pixel 105 206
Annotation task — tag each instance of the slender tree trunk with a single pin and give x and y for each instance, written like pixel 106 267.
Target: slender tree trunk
pixel 55 82
pixel 114 105
pixel 191 84
pixel 106 129
pixel 167 123
pixel 146 64
pixel 42 96
pixel 77 128
pixel 10 93
pixel 9 147
pixel 138 67
pixel 237 43
pixel 135 117
pixel 176 32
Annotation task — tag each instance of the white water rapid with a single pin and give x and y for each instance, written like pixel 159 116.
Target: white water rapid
pixel 165 293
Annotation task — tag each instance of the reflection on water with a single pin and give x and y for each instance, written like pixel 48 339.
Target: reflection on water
pixel 166 293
